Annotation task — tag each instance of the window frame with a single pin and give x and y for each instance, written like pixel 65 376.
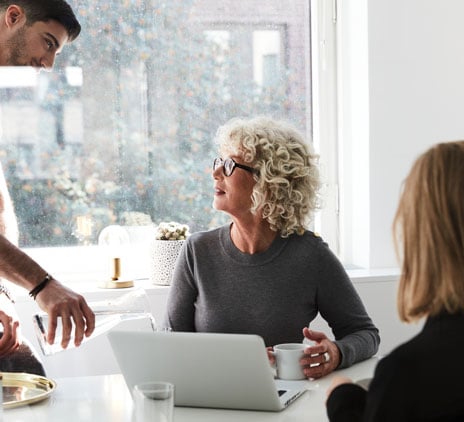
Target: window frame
pixel 325 117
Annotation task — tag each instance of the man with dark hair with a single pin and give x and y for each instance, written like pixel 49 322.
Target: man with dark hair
pixel 32 33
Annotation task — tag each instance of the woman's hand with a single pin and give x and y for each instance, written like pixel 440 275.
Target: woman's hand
pixel 322 358
pixel 270 355
pixel 9 342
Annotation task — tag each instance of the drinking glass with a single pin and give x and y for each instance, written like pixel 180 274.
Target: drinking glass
pixel 153 401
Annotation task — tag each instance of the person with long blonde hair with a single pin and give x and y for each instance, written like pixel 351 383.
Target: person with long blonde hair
pixel 420 380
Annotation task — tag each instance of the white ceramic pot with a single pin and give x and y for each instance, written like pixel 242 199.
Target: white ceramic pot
pixel 164 254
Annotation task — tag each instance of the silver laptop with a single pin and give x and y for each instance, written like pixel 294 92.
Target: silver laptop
pixel 229 371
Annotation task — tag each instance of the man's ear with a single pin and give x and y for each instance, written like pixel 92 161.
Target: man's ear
pixel 14 15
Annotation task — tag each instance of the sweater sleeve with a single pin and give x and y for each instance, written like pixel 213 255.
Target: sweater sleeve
pixel 389 398
pixel 346 403
pixel 340 305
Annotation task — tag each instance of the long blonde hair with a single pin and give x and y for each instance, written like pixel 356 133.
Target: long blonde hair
pixel 429 226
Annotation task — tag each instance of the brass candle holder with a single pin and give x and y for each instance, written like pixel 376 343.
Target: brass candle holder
pixel 116 282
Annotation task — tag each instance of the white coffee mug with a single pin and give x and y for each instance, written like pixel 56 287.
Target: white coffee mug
pixel 287 356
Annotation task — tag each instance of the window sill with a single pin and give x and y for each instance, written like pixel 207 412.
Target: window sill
pixel 362 275
pixel 84 268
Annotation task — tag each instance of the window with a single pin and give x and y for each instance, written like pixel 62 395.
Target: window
pixel 123 126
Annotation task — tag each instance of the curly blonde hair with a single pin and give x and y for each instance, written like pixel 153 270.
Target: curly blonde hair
pixel 287 177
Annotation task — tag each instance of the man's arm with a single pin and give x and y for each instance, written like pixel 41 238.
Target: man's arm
pixel 18 267
pixel 15 265
pixel 9 320
pixel 55 299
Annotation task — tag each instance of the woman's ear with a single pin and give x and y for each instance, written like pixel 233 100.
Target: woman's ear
pixel 14 15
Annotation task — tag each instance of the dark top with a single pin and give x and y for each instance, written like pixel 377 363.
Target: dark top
pixel 25 359
pixel 420 380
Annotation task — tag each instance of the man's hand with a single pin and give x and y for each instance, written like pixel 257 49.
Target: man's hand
pixel 59 301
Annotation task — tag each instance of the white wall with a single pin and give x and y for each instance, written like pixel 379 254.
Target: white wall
pixel 397 100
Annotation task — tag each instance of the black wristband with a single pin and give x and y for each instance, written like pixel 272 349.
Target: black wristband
pixel 37 289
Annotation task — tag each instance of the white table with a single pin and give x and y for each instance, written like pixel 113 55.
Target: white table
pixel 105 398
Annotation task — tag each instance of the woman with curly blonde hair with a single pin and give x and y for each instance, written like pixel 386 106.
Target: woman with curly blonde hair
pixel 265 273
pixel 286 191
pixel 417 380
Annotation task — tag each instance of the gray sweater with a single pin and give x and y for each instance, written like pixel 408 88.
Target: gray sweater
pixel 217 288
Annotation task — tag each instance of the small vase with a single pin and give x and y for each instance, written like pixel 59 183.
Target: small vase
pixel 164 254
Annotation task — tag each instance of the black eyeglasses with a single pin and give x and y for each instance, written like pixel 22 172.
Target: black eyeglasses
pixel 228 166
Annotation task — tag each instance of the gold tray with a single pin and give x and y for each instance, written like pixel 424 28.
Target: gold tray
pixel 20 389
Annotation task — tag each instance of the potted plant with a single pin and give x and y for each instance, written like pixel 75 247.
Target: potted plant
pixel 169 238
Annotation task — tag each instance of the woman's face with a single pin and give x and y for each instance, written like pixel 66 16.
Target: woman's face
pixel 232 194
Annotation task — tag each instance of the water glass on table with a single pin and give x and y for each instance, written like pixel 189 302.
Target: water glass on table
pixel 153 401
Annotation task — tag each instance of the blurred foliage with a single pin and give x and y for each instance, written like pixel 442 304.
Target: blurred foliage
pixel 155 89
